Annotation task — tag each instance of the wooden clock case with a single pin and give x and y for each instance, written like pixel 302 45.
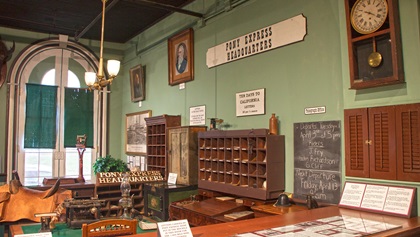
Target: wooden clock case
pixel 386 40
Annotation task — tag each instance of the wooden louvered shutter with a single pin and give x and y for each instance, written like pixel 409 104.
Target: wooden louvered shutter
pixel 408 139
pixel 357 151
pixel 382 151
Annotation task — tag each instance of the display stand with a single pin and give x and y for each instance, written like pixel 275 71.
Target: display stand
pixel 390 200
pixel 80 149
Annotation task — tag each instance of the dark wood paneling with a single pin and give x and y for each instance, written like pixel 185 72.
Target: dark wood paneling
pixel 382 151
pixel 408 137
pixel 356 140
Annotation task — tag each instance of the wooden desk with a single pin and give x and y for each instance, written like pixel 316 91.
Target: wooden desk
pixel 61 230
pixel 270 209
pixel 410 227
pixel 206 212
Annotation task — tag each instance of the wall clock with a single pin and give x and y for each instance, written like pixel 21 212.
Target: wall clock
pixel 367 16
pixel 374 43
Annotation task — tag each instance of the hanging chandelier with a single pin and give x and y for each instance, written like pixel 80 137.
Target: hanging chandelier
pixel 98 81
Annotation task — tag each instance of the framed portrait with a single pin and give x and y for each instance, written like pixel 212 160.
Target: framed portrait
pixel 137 83
pixel 181 57
pixel 135 133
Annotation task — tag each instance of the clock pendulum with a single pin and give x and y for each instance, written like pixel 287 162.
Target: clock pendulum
pixel 375 58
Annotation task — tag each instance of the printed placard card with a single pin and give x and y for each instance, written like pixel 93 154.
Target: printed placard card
pixel 374 197
pixel 42 234
pixel 179 228
pixel 352 194
pixel 398 200
pixel 172 178
pixel 392 200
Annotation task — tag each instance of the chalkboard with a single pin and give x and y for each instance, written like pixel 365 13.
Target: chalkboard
pixel 317 160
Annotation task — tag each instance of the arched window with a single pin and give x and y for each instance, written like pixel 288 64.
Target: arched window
pixel 60 70
pixel 72 79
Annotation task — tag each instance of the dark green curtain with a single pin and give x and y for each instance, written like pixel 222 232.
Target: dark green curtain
pixel 78 116
pixel 41 116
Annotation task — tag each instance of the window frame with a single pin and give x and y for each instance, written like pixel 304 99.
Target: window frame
pixel 18 76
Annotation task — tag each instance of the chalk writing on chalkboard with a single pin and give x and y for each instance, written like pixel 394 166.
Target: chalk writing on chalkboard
pixel 317 160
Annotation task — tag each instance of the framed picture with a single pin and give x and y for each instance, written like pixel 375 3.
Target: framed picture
pixel 181 57
pixel 137 83
pixel 135 133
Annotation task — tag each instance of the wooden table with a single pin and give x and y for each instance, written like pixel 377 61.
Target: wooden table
pixel 270 209
pixel 410 227
pixel 206 212
pixel 61 230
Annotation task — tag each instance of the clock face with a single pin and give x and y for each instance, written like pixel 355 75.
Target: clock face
pixel 368 16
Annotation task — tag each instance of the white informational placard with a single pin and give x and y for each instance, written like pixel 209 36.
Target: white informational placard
pixel 352 194
pixel 179 228
pixel 374 197
pixel 274 36
pixel 43 234
pixel 172 178
pixel 250 102
pixel 386 199
pixel 315 110
pixel 398 200
pixel 198 115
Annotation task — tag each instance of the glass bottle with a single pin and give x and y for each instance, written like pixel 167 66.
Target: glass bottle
pixel 273 125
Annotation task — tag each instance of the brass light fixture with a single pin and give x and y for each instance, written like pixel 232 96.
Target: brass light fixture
pixel 98 81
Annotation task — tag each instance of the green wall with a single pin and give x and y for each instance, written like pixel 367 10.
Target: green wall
pixel 304 74
pixel 313 72
pixel 310 73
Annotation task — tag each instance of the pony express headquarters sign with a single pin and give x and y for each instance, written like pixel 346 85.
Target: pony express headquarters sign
pixel 135 177
pixel 282 33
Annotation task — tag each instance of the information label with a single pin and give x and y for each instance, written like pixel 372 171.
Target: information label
pixel 352 194
pixel 178 228
pixel 398 200
pixel 198 115
pixel 250 102
pixel 379 198
pixel 374 197
pixel 43 234
pixel 172 178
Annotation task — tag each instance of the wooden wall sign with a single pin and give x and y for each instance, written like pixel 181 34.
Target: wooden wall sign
pixel 282 33
pixel 135 177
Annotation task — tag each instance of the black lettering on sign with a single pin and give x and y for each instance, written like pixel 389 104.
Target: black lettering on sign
pixel 317 160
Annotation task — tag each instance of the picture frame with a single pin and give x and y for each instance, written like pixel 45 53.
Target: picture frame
pixel 181 70
pixel 137 83
pixel 136 132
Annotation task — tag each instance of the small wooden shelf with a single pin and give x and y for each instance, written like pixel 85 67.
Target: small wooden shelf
pixel 157 154
pixel 248 163
pixel 111 193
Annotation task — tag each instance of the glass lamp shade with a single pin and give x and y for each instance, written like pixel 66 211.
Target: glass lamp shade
pixel 113 67
pixel 90 78
pixel 125 186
